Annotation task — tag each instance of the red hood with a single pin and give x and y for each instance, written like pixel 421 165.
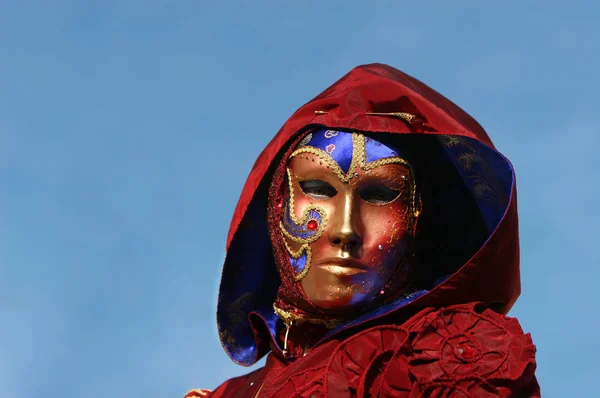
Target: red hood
pixel 490 276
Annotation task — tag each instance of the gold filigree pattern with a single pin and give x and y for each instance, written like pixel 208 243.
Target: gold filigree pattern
pixel 331 163
pixel 296 254
pixel 383 162
pixel 233 311
pixel 305 215
pixel 291 318
pixel 483 177
pixel 398 226
pixel 227 338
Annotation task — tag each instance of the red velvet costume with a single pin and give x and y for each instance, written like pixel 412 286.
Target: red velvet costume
pixel 451 339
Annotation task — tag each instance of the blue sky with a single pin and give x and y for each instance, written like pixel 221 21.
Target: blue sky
pixel 127 129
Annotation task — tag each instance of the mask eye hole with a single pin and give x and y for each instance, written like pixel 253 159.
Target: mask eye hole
pixel 379 194
pixel 318 189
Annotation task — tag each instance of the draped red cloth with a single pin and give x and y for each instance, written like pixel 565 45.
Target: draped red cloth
pixel 462 350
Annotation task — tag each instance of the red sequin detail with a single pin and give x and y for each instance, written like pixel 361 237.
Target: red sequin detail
pixel 312 225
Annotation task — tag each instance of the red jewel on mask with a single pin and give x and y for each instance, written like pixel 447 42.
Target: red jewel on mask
pixel 312 225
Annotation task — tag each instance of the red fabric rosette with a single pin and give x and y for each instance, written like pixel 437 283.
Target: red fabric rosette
pixel 460 350
pixel 357 366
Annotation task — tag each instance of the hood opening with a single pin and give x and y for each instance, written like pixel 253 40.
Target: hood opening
pixel 465 188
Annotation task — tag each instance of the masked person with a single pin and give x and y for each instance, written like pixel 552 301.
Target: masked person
pixel 374 252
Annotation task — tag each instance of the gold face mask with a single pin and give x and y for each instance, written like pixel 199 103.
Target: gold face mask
pixel 351 211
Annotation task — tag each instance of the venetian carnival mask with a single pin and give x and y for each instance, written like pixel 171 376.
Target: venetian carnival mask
pixel 349 219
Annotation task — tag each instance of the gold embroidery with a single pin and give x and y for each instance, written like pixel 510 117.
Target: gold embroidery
pixel 359 151
pixel 296 255
pixel 301 221
pixel 305 214
pixel 384 161
pixel 289 318
pixel 234 314
pixel 485 180
pixel 227 338
pixel 398 226
pixel 332 164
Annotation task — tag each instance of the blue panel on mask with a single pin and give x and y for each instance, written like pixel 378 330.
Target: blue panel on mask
pixel 336 143
pixel 375 150
pixel 299 264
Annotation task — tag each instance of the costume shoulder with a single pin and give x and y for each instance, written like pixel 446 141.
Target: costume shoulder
pixel 244 385
pixel 461 349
